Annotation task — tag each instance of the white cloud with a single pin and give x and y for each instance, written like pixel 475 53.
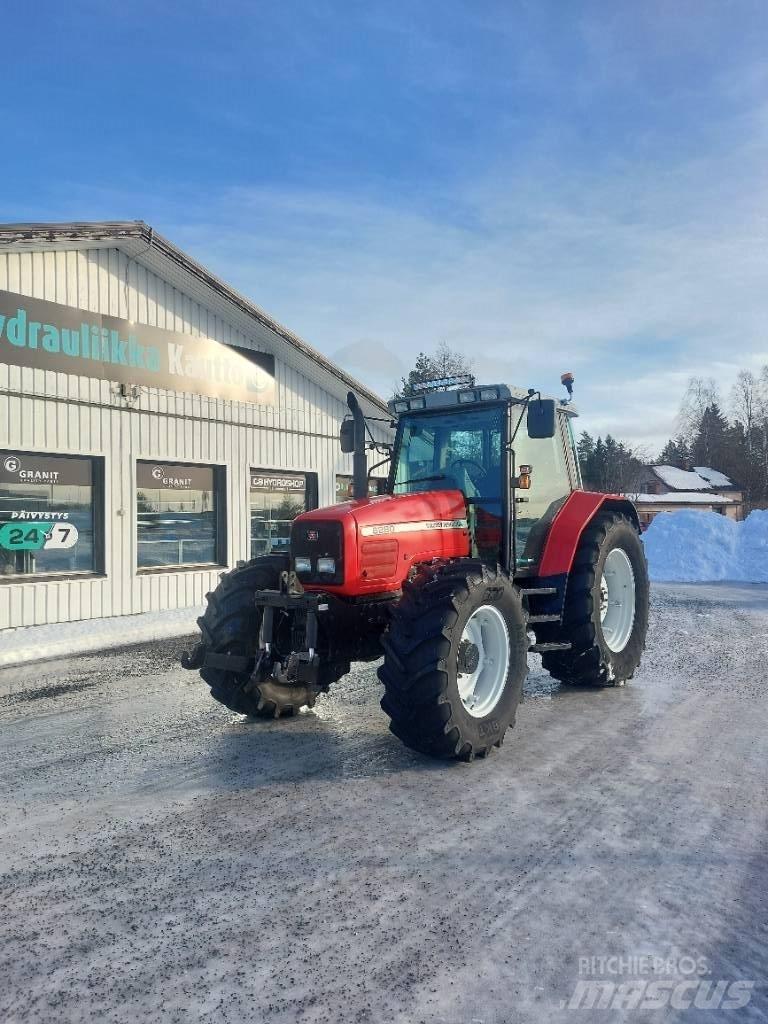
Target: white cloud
pixel 636 266
pixel 608 277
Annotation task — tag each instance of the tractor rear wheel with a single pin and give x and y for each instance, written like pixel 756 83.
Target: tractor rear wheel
pixel 455 658
pixel 606 607
pixel 230 627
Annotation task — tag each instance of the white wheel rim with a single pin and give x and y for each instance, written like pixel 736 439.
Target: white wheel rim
pixel 481 689
pixel 617 600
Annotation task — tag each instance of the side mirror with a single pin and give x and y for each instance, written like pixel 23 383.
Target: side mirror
pixel 541 418
pixel 347 436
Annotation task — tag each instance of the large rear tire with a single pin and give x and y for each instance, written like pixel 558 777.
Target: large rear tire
pixel 230 627
pixel 455 658
pixel 605 618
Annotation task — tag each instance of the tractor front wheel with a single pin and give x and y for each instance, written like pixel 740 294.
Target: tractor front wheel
pixel 455 659
pixel 230 632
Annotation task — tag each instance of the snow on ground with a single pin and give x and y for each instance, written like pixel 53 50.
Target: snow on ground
pixel 694 546
pixel 163 860
pixel 61 639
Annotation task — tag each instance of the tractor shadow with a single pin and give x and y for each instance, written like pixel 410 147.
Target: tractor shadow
pixel 323 743
pixel 346 736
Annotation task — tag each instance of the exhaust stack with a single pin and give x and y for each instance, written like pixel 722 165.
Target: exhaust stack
pixel 359 460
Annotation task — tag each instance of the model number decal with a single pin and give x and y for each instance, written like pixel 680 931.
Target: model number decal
pixel 419 527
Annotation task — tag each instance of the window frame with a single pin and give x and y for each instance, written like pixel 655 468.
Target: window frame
pixel 311 493
pixel 98 513
pixel 221 540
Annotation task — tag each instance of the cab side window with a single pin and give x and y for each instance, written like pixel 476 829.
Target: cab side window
pixel 550 485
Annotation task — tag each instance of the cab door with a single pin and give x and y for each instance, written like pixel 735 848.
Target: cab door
pixel 551 483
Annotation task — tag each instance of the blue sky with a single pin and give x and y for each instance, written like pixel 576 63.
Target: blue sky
pixel 546 186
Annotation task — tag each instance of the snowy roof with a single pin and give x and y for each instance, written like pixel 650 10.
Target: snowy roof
pixel 680 498
pixel 681 479
pixel 714 477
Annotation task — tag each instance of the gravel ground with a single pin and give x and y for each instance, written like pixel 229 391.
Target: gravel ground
pixel 165 860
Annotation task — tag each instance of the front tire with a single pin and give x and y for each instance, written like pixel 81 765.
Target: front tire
pixel 605 618
pixel 230 629
pixel 455 659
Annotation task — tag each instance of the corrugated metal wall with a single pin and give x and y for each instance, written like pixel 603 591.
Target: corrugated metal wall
pixel 45 411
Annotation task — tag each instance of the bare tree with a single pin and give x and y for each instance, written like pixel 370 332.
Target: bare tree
pixel 444 362
pixel 745 403
pixel 700 395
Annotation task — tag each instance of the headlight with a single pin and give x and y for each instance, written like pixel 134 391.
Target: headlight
pixel 326 565
pixel 303 564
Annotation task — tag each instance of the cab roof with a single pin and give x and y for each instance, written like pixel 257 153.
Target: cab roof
pixel 464 397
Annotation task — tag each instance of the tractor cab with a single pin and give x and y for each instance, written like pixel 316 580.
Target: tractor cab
pixel 510 454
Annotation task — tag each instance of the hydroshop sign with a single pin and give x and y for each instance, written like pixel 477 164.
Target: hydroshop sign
pixel 277 482
pixel 49 336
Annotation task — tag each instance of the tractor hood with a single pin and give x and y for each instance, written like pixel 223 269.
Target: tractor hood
pixel 373 542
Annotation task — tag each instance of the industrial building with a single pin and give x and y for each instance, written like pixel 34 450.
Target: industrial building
pixel 156 427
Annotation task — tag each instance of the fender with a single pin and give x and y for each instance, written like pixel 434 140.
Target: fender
pixel 569 524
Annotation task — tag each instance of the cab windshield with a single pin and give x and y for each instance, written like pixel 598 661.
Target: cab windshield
pixel 458 450
pixel 452 451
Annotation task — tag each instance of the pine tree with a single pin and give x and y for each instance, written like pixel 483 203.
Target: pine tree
pixel 710 445
pixel 676 452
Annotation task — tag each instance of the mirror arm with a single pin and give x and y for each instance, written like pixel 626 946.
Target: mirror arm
pixel 376 466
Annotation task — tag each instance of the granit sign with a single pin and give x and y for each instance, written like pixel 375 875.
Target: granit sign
pixel 173 476
pixel 43 470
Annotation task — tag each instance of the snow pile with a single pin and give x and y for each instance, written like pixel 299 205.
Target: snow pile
pixel 62 639
pixel 692 546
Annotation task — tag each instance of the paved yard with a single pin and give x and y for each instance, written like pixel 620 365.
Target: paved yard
pixel 165 860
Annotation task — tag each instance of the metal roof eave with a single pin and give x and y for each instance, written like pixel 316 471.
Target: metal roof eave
pixel 138 240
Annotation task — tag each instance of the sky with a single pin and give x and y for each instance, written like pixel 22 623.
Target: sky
pixel 545 186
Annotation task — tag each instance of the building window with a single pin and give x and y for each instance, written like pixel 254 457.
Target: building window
pixel 51 513
pixel 276 499
pixel 180 513
pixel 376 485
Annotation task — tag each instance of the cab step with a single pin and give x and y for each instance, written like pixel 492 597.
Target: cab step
pixel 543 618
pixel 536 591
pixel 544 648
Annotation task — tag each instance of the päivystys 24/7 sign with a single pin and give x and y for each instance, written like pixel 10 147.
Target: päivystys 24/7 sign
pixel 49 336
pixel 38 536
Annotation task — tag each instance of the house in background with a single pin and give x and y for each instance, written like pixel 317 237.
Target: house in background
pixel 669 489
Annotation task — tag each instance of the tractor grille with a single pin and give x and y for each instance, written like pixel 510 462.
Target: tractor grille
pixel 314 540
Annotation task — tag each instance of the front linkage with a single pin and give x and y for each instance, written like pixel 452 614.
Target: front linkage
pixel 302 664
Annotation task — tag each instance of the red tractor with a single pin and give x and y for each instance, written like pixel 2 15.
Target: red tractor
pixel 483 548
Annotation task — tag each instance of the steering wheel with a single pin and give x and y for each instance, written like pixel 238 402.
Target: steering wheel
pixel 481 471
